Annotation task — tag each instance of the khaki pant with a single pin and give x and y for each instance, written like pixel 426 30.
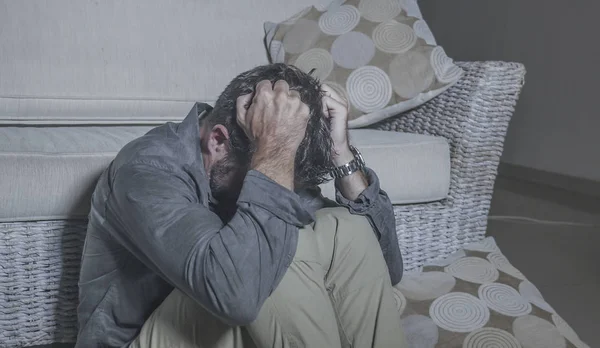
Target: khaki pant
pixel 336 293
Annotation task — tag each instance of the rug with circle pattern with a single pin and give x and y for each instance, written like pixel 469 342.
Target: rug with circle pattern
pixel 476 299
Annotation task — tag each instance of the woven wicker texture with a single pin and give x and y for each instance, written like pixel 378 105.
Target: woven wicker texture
pixel 473 116
pixel 39 261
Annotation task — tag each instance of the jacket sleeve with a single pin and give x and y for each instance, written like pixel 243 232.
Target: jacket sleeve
pixel 375 205
pixel 230 269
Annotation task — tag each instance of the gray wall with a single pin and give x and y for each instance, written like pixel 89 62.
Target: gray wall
pixel 556 127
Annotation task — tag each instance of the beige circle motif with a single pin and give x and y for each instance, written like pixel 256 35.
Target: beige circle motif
pixel 318 59
pixel 400 300
pixel 410 74
pixel 422 30
pixel 504 299
pixel 489 337
pixel 393 37
pixel 426 286
pixel 369 88
pixel 459 312
pixel 443 66
pixel 473 269
pixel 533 295
pixel 379 10
pixel 568 332
pixel 535 332
pixel 501 262
pixel 341 21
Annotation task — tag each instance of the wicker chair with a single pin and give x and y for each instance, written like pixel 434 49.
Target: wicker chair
pixel 39 261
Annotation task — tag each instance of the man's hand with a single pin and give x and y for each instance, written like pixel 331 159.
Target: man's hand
pixel 275 120
pixel 336 108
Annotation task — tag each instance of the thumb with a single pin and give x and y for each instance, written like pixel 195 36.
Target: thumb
pixel 333 108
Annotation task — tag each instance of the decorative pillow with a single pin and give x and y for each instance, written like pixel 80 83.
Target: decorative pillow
pixel 476 299
pixel 379 54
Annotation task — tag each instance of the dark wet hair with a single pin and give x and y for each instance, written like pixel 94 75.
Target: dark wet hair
pixel 314 156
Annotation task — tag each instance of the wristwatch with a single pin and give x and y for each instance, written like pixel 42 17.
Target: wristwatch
pixel 358 163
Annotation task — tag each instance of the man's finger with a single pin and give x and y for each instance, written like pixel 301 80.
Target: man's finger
pixel 281 86
pixel 333 94
pixel 264 86
pixel 242 104
pixel 332 107
pixel 295 95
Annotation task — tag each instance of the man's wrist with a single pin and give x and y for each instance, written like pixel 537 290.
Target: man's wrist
pixel 279 167
pixel 342 156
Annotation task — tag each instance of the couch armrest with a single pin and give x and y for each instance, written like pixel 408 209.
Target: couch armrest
pixel 473 115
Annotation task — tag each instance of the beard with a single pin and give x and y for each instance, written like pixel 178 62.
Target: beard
pixel 226 180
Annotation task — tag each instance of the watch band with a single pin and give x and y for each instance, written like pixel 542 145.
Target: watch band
pixel 358 163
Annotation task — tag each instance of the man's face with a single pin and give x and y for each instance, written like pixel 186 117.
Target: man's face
pixel 226 179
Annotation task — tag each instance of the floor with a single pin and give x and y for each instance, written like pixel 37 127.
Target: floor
pixel 563 260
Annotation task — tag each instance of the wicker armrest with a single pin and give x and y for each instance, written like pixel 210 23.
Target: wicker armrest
pixel 473 116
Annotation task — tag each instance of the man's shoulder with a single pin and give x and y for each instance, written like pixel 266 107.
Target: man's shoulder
pixel 157 149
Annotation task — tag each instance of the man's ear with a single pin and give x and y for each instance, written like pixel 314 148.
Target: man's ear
pixel 218 141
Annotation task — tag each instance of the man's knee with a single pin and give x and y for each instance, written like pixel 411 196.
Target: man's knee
pixel 348 229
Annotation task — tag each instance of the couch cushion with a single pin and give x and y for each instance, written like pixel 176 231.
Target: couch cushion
pixel 412 168
pixel 123 58
pixel 50 173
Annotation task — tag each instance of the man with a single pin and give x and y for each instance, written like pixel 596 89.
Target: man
pixel 210 232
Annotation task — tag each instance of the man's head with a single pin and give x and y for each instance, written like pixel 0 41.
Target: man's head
pixel 231 151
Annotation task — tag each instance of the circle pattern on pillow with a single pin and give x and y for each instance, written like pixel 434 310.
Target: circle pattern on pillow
pixel 352 50
pixel 444 68
pixel 489 337
pixel 302 36
pixel 412 8
pixel 387 34
pixel 341 21
pixel 422 30
pixel 393 37
pixel 318 59
pixel 504 299
pixel 379 10
pixel 408 83
pixel 535 332
pixel 369 88
pixel 420 331
pixel 474 270
pixel 459 312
